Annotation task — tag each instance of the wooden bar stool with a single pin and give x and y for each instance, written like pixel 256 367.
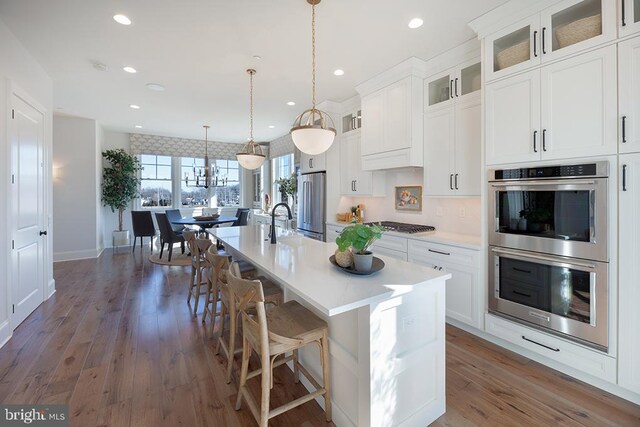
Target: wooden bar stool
pixel 197 247
pixel 283 329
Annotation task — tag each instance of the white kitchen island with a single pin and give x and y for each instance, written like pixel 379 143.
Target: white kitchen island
pixel 387 330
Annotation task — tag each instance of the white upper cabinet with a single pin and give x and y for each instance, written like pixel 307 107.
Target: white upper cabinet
pixel 452 150
pixel 453 85
pixel 315 163
pixel 629 17
pixel 353 180
pixel 563 29
pixel 628 289
pixel 565 109
pixel 579 106
pixel 513 118
pixel 392 125
pixel 629 94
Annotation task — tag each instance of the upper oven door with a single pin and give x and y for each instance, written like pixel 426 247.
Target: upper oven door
pixel 566 217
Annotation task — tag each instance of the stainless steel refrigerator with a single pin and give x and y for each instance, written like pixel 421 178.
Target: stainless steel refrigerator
pixel 311 205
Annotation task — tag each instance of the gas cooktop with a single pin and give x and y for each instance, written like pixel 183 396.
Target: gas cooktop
pixel 400 227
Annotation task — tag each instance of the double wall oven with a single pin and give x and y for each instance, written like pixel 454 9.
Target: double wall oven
pixel 548 254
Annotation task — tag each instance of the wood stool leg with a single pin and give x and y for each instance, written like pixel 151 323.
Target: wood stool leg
pixel 223 314
pixel 198 282
pixel 214 310
pixel 266 389
pixel 324 344
pixel 233 330
pixel 296 371
pixel 244 370
pixel 191 280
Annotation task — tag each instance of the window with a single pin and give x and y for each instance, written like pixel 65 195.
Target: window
pixel 155 187
pixel 282 168
pixel 190 194
pixel 229 195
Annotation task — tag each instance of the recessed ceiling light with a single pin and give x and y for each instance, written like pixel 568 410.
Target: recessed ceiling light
pixel 155 86
pixel 130 70
pixel 258 57
pixel 272 127
pixel 416 23
pixel 122 19
pixel 99 66
pixel 138 127
pixel 291 103
pixel 134 106
pixel 338 72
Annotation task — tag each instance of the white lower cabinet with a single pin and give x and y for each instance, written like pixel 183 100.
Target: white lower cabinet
pixel 465 294
pixel 578 357
pixel 629 268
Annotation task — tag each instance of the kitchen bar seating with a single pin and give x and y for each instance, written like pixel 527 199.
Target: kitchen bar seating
pixel 284 329
pixel 197 247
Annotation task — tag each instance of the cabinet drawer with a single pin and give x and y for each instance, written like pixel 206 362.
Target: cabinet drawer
pixel 333 231
pixel 438 252
pixel 386 252
pixel 573 355
pixel 392 242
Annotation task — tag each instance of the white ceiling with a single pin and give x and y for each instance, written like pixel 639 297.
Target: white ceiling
pixel 200 49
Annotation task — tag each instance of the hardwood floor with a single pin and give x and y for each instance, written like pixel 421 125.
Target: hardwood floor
pixel 118 343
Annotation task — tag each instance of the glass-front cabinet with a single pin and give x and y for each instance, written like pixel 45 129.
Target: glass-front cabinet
pixel 351 121
pixel 629 17
pixel 453 84
pixel 567 27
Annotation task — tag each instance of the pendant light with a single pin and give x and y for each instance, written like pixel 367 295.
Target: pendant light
pixel 313 131
pixel 251 155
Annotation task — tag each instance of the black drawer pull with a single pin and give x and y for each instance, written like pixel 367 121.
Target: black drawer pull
pixel 624 129
pixel 522 294
pixel 541 345
pixel 522 270
pixel 438 252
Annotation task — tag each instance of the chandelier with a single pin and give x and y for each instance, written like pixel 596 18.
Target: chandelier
pixel 205 177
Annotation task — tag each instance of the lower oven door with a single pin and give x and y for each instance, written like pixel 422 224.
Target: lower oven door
pixel 562 295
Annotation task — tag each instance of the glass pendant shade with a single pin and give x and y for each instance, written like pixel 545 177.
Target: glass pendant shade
pixel 251 156
pixel 313 132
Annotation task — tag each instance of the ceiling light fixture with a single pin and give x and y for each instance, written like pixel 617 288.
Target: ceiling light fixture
pixel 272 127
pixel 155 86
pixel 415 23
pixel 338 72
pixel 134 106
pixel 138 127
pixel 130 70
pixel 257 57
pixel 313 131
pixel 291 103
pixel 251 155
pixel 122 19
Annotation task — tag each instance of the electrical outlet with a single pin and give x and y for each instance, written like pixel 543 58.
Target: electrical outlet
pixel 462 212
pixel 439 211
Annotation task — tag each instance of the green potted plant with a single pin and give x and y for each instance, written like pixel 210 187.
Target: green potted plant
pixel 359 237
pixel 119 187
pixel 287 187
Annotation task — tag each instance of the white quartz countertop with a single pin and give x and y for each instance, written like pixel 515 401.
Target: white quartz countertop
pixel 302 264
pixel 455 239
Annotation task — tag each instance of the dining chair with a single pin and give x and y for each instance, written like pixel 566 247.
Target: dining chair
pixel 167 235
pixel 173 215
pixel 198 248
pixel 242 215
pixel 142 223
pixel 283 329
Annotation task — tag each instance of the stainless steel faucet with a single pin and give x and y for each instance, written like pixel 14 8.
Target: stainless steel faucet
pixel 273 220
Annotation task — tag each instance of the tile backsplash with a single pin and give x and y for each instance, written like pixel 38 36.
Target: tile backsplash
pixel 450 214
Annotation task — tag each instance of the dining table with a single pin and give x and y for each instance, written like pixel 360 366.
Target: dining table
pixel 205 223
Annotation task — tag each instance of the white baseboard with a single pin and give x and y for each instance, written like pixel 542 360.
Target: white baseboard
pixel 5 332
pixel 75 255
pixel 51 289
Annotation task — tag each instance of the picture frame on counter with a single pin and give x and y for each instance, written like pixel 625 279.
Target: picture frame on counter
pixel 408 198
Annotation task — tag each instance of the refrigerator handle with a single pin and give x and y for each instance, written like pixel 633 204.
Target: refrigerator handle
pixel 310 187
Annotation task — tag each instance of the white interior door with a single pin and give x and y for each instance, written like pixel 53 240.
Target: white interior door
pixel 26 134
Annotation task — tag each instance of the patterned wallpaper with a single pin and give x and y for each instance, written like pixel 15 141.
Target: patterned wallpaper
pixel 281 146
pixel 181 147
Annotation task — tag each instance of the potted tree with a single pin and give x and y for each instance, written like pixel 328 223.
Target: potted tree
pixel 359 237
pixel 287 187
pixel 119 187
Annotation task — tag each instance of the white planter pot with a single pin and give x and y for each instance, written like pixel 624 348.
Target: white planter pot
pixel 121 238
pixel 363 262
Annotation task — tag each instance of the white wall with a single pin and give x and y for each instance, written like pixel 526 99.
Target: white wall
pixel 75 188
pixel 443 213
pixel 22 70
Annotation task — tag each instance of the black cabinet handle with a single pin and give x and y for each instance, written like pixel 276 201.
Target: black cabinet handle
pixel 541 345
pixel 451 90
pixel 624 128
pixel 624 177
pixel 43 233
pixel 535 146
pixel 451 181
pixel 544 50
pixel 438 252
pixel 456 83
pixel 544 140
pixel 456 180
pixel 535 43
pixel 624 12
pixel 355 185
pixel 522 270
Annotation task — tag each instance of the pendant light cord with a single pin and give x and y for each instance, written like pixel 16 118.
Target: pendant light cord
pixel 251 102
pixel 313 54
